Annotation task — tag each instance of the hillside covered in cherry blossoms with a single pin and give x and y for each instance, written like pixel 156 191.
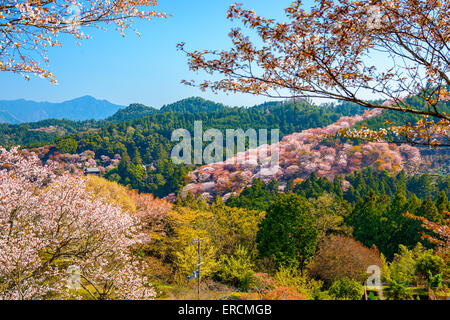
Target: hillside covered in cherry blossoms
pixel 301 154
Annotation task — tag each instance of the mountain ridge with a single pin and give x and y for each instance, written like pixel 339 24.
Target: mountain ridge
pixel 7 117
pixel 187 105
pixel 77 109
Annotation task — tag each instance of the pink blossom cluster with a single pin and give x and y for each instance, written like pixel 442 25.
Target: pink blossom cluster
pixel 74 163
pixel 300 154
pixel 50 222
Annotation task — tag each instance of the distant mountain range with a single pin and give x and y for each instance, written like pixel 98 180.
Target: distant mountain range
pixel 83 108
pixel 89 108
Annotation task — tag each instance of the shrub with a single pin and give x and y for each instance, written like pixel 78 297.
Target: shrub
pixel 346 289
pixel 236 270
pixel 435 281
pixel 340 257
pixel 429 263
pixel 290 277
pixel 398 291
pixel 402 267
pixel 264 288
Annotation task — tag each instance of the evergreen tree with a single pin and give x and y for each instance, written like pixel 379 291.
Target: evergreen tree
pixel 288 233
pixel 442 203
pixel 428 210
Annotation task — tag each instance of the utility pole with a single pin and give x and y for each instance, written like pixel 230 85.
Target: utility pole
pixel 199 262
pixel 198 240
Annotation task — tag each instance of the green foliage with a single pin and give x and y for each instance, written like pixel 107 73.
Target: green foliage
pixel 229 237
pixel 330 213
pixel 398 291
pixel 259 196
pixel 367 180
pixel 443 184
pixel 429 263
pixel 372 296
pixel 288 233
pixel 187 261
pixel 144 133
pixel 41 132
pixel 421 185
pixel 402 268
pixel 362 182
pixel 174 243
pixel 235 227
pixel 429 210
pixel 400 118
pixel 314 211
pixel 314 187
pixel 378 220
pixel 237 269
pixel 409 267
pixel 346 289
pixel 67 145
pixel 302 282
pixel 379 201
pixel 435 281
pixel 163 178
pixel 132 112
pixel 442 203
pixel 323 295
pixel 194 105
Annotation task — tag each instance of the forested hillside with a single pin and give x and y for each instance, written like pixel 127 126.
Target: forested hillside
pixel 396 118
pixel 144 144
pixel 218 115
pixel 138 137
pixel 42 132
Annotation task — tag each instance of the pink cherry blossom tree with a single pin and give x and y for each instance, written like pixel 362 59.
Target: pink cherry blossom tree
pixel 49 222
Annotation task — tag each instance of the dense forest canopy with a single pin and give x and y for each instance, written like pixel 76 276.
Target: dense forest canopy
pixel 141 135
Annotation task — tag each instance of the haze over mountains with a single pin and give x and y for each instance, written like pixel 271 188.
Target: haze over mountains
pixel 90 108
pixel 83 108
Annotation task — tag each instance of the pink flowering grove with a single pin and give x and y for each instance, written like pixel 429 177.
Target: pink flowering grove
pixel 301 154
pixel 49 222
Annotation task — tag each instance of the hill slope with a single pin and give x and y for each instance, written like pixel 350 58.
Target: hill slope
pixel 6 117
pixel 300 155
pixel 132 112
pixel 194 105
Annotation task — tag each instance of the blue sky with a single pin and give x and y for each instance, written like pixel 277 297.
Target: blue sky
pixel 147 69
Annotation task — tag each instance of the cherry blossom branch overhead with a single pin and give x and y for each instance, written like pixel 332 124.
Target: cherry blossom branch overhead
pixel 29 27
pixel 327 51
